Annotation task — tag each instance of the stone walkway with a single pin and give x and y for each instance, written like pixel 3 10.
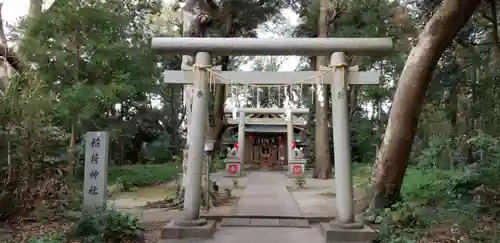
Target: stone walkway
pixel 267 211
pixel 271 208
pixel 267 195
pixel 259 234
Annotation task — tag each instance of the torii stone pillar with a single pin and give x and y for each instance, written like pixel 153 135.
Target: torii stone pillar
pixel 341 134
pixel 197 131
pixel 196 150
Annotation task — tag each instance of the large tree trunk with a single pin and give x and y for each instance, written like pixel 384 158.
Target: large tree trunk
pixel 323 169
pixel 220 120
pixel 393 156
pixel 196 20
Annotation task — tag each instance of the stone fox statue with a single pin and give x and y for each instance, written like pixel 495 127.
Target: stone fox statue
pixel 232 152
pixel 297 153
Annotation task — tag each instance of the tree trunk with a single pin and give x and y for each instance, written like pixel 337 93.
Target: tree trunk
pixel 452 116
pixel 471 116
pixel 188 20
pixel 323 169
pixel 195 23
pixel 221 123
pixel 353 99
pixel 393 156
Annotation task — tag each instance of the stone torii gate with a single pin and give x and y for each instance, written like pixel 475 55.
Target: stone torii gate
pixel 344 225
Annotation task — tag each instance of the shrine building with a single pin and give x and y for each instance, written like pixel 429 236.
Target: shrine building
pixel 265 140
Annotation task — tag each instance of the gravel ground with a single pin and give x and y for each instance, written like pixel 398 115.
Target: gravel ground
pixel 153 235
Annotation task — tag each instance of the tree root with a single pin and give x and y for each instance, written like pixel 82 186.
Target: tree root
pixel 215 199
pixel 171 203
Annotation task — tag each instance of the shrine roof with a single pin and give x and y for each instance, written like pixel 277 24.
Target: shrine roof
pixel 266 128
pixel 267 119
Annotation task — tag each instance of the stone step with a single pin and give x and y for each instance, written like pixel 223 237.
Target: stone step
pixel 335 234
pixel 260 222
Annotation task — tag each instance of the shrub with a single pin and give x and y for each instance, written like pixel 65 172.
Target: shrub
pixel 52 238
pixel 142 175
pixel 107 225
pixel 218 163
pixel 36 147
pixel 440 205
pixel 433 199
pixel 300 180
pixel 427 184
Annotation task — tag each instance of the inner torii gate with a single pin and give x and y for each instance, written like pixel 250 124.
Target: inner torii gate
pixel 339 78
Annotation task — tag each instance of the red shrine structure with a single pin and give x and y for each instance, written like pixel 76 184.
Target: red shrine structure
pixel 265 140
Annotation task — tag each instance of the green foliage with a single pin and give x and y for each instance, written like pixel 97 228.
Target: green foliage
pixel 470 176
pixel 107 225
pixel 300 180
pixel 436 155
pixel 95 71
pixel 33 150
pixel 400 224
pixel 52 238
pixel 142 175
pixel 427 184
pixel 96 59
pixel 433 198
pixel 409 220
pixel 160 150
pixel 363 139
pixel 361 173
pixel 101 81
pixel 218 163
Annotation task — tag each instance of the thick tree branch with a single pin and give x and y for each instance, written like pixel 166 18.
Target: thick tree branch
pixel 335 11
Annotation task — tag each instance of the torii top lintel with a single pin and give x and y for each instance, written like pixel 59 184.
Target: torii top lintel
pixel 271 46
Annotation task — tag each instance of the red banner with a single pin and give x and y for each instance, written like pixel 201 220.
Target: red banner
pixel 297 169
pixel 233 169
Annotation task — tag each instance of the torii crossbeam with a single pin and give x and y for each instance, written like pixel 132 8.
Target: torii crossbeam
pixel 300 111
pixel 272 46
pixel 270 78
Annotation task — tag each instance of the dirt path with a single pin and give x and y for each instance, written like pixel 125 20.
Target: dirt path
pixel 133 202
